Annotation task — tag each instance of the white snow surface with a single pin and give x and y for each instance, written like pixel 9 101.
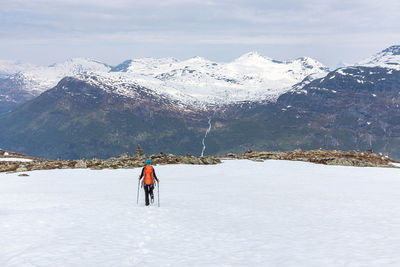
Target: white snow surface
pixel 196 81
pixel 15 159
pixel 239 213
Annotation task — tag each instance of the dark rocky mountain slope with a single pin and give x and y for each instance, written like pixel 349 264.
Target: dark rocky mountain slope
pixel 76 119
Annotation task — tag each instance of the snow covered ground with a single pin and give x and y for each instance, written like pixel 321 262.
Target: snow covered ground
pixel 239 213
pixel 15 159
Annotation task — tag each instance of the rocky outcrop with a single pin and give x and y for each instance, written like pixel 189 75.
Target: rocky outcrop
pixel 327 157
pixel 81 164
pixel 123 161
pixel 139 150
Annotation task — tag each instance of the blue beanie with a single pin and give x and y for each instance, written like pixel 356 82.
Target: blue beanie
pixel 148 161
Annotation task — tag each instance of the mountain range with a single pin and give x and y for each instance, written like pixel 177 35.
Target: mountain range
pixel 85 108
pixel 196 81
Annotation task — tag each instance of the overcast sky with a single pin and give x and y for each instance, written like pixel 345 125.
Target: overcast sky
pixel 47 31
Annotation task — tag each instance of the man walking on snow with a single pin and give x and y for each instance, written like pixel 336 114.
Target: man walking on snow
pixel 149 180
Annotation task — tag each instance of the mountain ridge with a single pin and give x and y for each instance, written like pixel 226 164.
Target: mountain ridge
pixel 350 108
pixel 196 81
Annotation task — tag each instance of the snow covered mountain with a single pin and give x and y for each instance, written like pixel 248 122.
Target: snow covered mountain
pixel 21 82
pixel 388 58
pixel 251 77
pixel 40 79
pixel 196 81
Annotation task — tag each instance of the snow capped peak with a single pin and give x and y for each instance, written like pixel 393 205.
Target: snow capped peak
pixel 309 63
pixel 142 64
pixel 80 60
pixel 200 61
pixel 42 78
pixel 252 57
pixel 307 60
pixel 394 50
pixel 387 58
pixel 80 65
pixel 198 58
pixel 252 54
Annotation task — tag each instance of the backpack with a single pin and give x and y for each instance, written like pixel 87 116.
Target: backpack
pixel 148 175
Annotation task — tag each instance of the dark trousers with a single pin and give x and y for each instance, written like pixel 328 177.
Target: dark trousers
pixel 148 192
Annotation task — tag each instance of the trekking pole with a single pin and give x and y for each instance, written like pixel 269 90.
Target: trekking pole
pixel 137 198
pixel 158 189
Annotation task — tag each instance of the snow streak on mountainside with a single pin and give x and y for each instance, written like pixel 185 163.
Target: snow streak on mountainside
pixel 196 81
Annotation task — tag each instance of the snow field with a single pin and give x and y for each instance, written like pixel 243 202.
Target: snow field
pixel 239 213
pixel 15 159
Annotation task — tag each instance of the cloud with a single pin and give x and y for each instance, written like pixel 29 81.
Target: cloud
pixel 201 22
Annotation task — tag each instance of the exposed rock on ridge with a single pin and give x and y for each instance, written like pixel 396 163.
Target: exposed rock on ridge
pixel 327 157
